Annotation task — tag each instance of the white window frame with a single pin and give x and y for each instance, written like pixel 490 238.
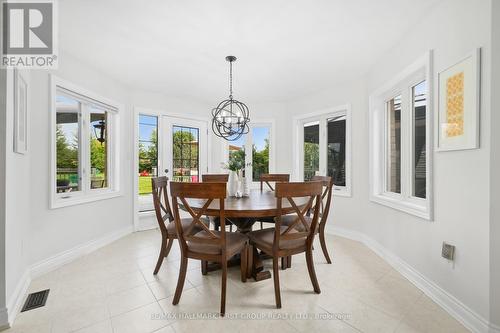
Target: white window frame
pixel 270 123
pixel 402 85
pixel 321 117
pixel 86 194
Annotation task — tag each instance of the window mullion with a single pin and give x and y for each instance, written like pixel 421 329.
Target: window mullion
pixel 249 156
pixel 323 157
pixel 406 143
pixel 110 151
pixel 84 149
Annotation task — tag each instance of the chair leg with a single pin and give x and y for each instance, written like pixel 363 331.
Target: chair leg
pixel 323 242
pixel 180 280
pixel 243 263
pixel 289 262
pixel 284 263
pixel 261 225
pixel 276 278
pixel 161 256
pixel 230 228
pixel 204 267
pixel 169 246
pixel 223 289
pixel 312 272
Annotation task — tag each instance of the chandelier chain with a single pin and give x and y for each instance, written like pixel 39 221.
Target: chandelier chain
pixel 230 80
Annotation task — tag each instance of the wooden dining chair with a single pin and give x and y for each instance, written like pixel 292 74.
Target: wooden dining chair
pixel 206 245
pixel 215 178
pixel 165 218
pixel 267 178
pixel 323 215
pixel 284 241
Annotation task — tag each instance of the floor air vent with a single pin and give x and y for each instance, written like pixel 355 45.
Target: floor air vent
pixel 36 300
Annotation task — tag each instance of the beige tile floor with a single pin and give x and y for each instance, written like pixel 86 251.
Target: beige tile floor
pixel 113 290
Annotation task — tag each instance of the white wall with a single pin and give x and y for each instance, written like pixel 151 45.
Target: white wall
pixel 461 179
pixel 495 167
pixel 3 190
pixel 18 199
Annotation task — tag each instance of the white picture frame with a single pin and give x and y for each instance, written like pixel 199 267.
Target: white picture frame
pixel 20 113
pixel 459 94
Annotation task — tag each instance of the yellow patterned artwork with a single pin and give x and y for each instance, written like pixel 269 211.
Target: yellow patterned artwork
pixel 455 105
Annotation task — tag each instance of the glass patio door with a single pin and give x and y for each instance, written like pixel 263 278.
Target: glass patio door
pixel 185 150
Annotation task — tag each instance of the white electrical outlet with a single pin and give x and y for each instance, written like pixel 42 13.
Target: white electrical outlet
pixel 448 251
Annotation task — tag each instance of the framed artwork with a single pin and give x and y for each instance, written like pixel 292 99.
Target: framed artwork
pixel 459 100
pixel 20 113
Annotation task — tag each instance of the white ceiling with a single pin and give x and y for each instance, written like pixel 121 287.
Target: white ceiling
pixel 285 49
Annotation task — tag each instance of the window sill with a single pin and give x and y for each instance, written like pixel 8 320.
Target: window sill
pixel 411 208
pixel 59 202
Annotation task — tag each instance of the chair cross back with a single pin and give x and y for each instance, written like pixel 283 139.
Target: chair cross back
pixel 313 190
pixel 160 199
pixel 207 191
pixel 270 177
pixel 327 183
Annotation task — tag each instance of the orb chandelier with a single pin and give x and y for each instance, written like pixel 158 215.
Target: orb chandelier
pixel 231 117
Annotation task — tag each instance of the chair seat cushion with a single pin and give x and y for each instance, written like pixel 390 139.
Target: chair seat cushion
pixel 264 239
pixel 287 220
pixel 185 224
pixel 235 242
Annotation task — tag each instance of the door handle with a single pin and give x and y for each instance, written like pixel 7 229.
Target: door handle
pixel 166 171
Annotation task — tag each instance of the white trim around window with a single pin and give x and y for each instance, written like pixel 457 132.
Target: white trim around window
pixel 87 101
pixel 401 86
pixel 321 117
pixel 266 123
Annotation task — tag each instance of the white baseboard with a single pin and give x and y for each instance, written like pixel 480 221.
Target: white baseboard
pixel 448 302
pixel 17 298
pixel 4 319
pixel 52 263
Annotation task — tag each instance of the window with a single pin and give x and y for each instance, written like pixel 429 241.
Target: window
pixel 311 150
pixel 324 147
pixel 148 159
pixel 68 157
pixel 400 146
pixel 394 145
pixel 83 153
pixel 237 150
pixel 419 108
pixel 186 155
pixel 253 149
pixel 260 151
pixel 336 150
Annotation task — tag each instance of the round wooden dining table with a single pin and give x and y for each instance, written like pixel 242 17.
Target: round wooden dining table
pixel 244 212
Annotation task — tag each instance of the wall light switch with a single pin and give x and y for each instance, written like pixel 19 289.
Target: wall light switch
pixel 448 251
